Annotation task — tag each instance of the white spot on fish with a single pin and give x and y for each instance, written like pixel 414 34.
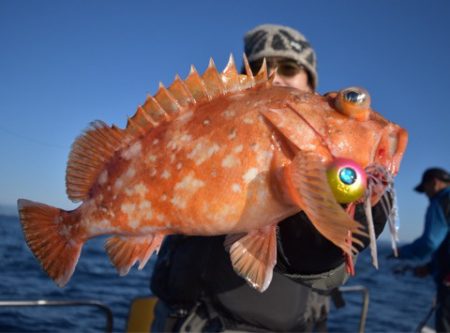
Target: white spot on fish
pixel 128 208
pixel 65 231
pixel 228 114
pixel 103 178
pixel 186 138
pixel 101 227
pixel 179 165
pixel 146 209
pixel 206 122
pixel 133 223
pixel 165 174
pixel 153 172
pixel 189 183
pixel 155 141
pixel 263 157
pixel 179 201
pixel 139 189
pixel 248 121
pixel 250 175
pixel 236 187
pixel 152 158
pixel 178 139
pixel 203 151
pixel 163 197
pixel 131 172
pixel 185 189
pixel 118 184
pixel 224 215
pixel 133 151
pixel 238 149
pixel 230 161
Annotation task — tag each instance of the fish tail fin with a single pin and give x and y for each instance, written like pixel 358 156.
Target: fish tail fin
pixel 48 232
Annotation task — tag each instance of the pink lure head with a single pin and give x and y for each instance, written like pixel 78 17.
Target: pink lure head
pixel 347 180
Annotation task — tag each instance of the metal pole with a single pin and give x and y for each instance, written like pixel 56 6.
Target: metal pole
pixel 43 302
pixel 365 306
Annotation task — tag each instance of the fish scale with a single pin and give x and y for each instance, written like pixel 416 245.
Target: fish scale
pixel 220 153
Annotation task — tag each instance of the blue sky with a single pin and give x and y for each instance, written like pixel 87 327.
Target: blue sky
pixel 66 63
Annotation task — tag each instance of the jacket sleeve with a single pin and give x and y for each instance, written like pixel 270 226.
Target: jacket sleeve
pixel 434 233
pixel 308 257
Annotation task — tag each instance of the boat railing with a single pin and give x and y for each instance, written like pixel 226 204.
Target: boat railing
pixel 109 316
pixel 365 302
pixel 65 303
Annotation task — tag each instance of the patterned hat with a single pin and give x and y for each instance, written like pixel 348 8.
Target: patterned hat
pixel 270 40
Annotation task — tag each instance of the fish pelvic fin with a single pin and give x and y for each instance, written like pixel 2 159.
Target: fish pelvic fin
pixel 90 152
pixel 48 232
pixel 124 252
pixel 308 187
pixel 254 256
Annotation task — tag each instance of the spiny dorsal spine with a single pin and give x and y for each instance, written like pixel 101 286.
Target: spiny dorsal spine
pixel 195 89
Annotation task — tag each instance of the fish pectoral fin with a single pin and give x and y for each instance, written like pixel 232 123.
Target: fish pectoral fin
pixel 308 187
pixel 124 252
pixel 253 256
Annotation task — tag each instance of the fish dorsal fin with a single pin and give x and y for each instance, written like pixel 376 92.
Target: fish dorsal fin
pixel 90 151
pixel 154 110
pixel 196 86
pixel 247 80
pixel 230 76
pixel 181 92
pixel 169 103
pixel 213 81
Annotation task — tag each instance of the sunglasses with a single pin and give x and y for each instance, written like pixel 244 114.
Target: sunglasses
pixel 286 68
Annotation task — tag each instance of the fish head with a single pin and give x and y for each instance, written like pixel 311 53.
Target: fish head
pixel 358 132
pixel 346 128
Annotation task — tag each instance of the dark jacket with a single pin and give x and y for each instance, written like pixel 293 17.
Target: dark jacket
pixel 193 268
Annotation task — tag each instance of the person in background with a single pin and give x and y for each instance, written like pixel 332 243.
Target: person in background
pixel 434 241
pixel 193 278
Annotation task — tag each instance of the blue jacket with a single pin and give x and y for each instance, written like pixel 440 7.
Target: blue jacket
pixel 434 236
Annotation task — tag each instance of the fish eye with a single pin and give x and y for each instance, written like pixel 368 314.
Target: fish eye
pixel 353 96
pixel 353 102
pixel 347 180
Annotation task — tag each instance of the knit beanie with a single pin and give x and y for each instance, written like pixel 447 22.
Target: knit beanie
pixel 270 40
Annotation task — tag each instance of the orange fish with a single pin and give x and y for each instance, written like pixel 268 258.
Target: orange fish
pixel 220 153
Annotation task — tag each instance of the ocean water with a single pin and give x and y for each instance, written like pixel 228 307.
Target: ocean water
pixel 397 302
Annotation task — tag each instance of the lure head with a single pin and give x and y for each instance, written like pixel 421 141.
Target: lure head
pixel 347 180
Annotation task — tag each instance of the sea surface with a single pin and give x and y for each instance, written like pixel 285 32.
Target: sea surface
pixel 398 302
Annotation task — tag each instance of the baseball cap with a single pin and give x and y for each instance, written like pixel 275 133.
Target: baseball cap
pixel 430 174
pixel 271 40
